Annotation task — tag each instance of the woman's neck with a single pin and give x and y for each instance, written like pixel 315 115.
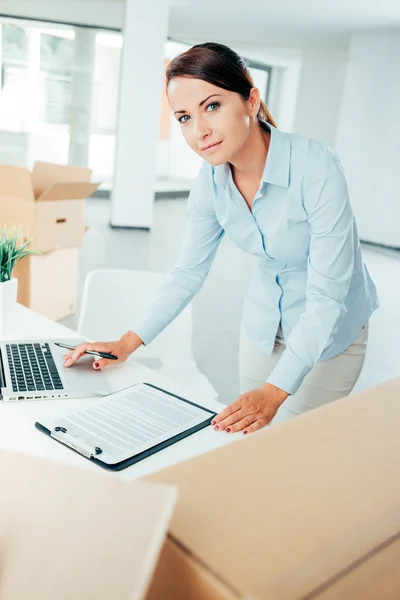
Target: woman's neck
pixel 249 162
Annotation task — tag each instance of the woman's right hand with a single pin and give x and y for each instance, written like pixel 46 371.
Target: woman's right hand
pixel 121 348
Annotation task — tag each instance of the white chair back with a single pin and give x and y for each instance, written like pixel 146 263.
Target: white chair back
pixel 113 301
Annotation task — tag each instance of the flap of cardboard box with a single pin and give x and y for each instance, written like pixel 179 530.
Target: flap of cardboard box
pixel 15 182
pixel 68 191
pixel 280 512
pixel 69 533
pixel 46 174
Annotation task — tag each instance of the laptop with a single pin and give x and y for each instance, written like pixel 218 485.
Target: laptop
pixel 34 370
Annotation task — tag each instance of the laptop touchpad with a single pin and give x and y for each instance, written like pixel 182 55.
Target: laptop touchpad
pixel 86 380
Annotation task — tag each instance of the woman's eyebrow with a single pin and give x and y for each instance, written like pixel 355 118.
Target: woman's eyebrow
pixel 200 103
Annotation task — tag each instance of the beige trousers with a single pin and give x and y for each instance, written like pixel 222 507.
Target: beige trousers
pixel 328 380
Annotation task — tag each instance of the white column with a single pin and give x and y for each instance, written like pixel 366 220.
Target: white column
pixel 368 138
pixel 320 92
pixel 81 96
pixel 141 83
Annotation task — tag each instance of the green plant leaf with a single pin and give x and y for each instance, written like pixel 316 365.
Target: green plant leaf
pixel 13 249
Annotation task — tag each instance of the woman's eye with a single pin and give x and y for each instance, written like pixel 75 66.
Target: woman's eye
pixel 214 105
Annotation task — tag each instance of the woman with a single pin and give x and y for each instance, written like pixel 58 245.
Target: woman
pixel 283 198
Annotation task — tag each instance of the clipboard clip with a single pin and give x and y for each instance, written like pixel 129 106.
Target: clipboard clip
pixel 76 443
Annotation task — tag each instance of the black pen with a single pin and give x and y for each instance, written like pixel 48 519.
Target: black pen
pixel 94 352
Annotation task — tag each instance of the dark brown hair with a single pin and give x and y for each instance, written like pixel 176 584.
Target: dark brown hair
pixel 219 65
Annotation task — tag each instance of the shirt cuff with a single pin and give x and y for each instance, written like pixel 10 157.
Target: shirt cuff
pixel 148 329
pixel 289 373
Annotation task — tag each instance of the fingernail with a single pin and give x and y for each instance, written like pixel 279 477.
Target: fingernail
pixel 216 428
pixel 244 432
pixel 227 429
pixel 213 422
pixel 96 365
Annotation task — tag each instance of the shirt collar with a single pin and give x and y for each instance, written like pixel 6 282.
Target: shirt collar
pixel 277 164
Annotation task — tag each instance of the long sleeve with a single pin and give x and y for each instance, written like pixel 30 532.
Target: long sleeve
pixel 202 237
pixel 329 272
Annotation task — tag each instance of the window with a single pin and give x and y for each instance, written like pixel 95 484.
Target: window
pixel 58 95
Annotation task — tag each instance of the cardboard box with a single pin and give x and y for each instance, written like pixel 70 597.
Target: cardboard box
pixel 49 203
pixel 309 509
pixel 375 578
pixel 306 509
pixel 47 283
pixel 68 533
pixel 181 576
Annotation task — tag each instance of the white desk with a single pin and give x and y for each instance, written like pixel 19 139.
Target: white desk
pixel 17 419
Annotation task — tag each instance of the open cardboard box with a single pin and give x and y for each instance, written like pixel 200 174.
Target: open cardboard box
pixel 67 533
pixel 306 509
pixel 49 203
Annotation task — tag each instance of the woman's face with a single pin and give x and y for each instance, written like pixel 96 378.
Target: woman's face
pixel 210 115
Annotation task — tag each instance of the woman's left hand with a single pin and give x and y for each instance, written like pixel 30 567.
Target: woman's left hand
pixel 251 410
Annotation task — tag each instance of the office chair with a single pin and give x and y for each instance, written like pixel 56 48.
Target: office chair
pixel 113 301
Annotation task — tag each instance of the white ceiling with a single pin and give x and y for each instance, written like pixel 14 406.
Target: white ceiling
pixel 290 23
pixel 284 21
pixel 338 15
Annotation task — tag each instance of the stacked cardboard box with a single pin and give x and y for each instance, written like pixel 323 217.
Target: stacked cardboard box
pixel 49 203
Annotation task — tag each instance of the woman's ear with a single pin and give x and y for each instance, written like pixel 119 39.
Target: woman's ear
pixel 254 101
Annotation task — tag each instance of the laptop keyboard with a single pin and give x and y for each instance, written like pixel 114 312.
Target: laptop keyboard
pixel 32 368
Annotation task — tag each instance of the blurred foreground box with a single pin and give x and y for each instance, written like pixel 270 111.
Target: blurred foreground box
pixel 308 509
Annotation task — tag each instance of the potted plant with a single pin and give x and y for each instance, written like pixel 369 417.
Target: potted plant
pixel 12 249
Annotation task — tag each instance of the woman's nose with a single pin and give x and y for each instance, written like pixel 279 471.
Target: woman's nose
pixel 201 129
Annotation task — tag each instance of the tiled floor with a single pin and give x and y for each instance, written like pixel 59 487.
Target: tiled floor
pixel 216 309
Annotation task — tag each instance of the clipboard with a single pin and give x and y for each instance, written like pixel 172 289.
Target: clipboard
pixel 93 452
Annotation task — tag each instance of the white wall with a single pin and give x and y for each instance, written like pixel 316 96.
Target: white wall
pixel 320 92
pixel 286 64
pixel 162 158
pixel 368 138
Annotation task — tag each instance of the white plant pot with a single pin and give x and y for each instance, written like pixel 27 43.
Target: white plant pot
pixel 8 302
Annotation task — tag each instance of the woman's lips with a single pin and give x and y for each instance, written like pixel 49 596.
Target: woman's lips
pixel 213 147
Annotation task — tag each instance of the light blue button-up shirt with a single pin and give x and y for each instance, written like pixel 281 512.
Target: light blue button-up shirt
pixel 310 276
